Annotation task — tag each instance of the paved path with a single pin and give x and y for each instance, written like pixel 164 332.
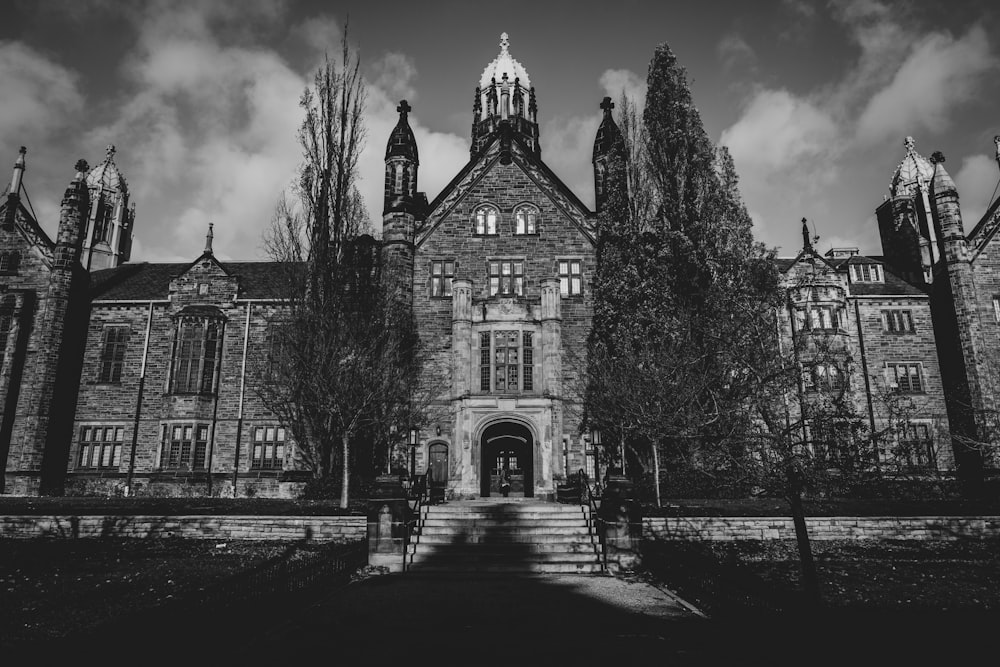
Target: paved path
pixel 488 619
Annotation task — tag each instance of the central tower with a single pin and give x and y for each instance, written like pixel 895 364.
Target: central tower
pixel 505 101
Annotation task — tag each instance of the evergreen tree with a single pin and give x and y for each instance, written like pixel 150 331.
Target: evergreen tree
pixel 679 296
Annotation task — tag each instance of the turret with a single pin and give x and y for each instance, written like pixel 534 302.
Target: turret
pixel 500 98
pixel 108 236
pixel 14 193
pixel 72 219
pixel 609 156
pixel 401 162
pixel 909 239
pixel 948 213
pixel 402 205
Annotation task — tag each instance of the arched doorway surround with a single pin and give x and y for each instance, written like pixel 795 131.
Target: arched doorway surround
pixel 507 443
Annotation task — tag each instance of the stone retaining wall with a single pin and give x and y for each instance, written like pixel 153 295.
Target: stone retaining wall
pixel 822 528
pixel 324 528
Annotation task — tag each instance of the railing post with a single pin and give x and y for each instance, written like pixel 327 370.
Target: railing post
pixel 388 523
pixel 620 523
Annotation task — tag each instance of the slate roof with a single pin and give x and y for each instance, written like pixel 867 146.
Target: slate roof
pixel 893 285
pixel 146 281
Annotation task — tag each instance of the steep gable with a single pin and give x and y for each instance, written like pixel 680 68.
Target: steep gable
pixel 532 169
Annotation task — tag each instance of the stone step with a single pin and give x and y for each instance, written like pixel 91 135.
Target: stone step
pixel 509 516
pixel 509 568
pixel 436 522
pixel 462 531
pixel 474 556
pixel 512 549
pixel 509 538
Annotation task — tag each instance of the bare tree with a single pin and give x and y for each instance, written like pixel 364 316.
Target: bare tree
pixel 336 349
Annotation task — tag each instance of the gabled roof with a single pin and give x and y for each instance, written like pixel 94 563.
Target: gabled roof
pixel 151 282
pixel 533 167
pixel 893 285
pixel 30 230
pixel 985 229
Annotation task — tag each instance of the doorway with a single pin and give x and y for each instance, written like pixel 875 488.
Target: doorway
pixel 437 471
pixel 507 445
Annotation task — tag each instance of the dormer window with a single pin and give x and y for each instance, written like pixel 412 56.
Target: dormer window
pixel 866 273
pixel 524 220
pixel 486 220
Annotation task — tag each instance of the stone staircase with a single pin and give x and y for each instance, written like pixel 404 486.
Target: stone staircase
pixel 505 535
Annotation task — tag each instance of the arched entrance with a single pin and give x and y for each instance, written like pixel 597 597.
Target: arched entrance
pixel 437 470
pixel 507 444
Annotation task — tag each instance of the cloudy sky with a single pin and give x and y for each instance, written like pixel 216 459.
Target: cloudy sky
pixel 814 99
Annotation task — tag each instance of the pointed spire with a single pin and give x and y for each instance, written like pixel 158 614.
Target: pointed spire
pixel 208 240
pixel 401 140
pixel 996 140
pixel 19 166
pixel 110 152
pixel 806 241
pixel 942 182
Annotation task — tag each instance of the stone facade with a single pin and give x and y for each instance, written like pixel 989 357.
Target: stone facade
pixel 143 377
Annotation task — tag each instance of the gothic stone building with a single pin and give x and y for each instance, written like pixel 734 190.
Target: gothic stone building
pixel 117 375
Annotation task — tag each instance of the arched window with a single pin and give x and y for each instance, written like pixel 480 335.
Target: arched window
pixel 397 177
pixel 486 220
pixel 102 221
pixel 9 262
pixel 525 218
pixel 196 353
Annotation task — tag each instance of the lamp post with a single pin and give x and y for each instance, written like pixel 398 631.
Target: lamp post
pixel 414 436
pixel 595 442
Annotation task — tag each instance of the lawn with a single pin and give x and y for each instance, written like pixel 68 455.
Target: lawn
pixel 65 588
pixel 746 577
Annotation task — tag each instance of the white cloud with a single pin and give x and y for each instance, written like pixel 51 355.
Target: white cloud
pixel 618 81
pixel 734 52
pixel 39 95
pixel 779 131
pixel 940 73
pixel 976 180
pixel 394 73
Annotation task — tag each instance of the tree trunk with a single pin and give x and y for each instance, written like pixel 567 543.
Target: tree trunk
pixel 346 479
pixel 656 472
pixel 810 578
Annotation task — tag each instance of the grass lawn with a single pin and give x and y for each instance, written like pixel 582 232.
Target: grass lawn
pixel 747 577
pixel 60 588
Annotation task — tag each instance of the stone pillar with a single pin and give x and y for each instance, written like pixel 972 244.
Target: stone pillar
pixel 551 337
pixel 620 523
pixel 388 523
pixel 461 336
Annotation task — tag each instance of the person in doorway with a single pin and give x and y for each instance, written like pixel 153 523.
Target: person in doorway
pixel 505 482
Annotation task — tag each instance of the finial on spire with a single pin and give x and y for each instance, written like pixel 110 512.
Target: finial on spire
pixel 806 242
pixel 404 108
pixel 82 168
pixel 937 157
pixel 607 105
pixel 15 181
pixel 910 144
pixel 504 42
pixel 208 240
pixel 110 151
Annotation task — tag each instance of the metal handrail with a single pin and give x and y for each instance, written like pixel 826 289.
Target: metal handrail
pixel 592 495
pixel 415 501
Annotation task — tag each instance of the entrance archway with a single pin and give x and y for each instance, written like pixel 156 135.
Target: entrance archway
pixel 507 444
